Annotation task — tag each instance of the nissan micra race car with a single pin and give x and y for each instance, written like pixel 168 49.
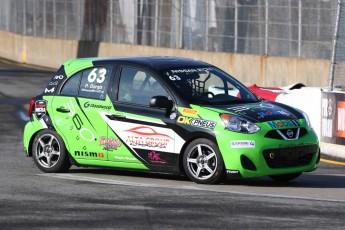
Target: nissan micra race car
pixel 165 114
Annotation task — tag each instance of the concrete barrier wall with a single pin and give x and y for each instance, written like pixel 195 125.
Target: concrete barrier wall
pixel 250 69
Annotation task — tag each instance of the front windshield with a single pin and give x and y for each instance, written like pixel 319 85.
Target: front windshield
pixel 208 85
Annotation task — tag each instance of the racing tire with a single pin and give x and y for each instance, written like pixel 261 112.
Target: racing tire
pixel 49 152
pixel 283 178
pixel 203 162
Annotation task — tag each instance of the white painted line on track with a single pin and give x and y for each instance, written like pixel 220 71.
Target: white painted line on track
pixel 196 187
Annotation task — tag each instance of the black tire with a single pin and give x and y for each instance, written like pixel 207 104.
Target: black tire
pixel 49 152
pixel 283 178
pixel 203 162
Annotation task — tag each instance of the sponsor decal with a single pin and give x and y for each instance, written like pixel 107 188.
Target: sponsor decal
pixel 340 121
pixel 197 122
pixel 84 133
pixel 238 109
pixel 233 172
pixel 243 144
pixel 88 154
pixel 273 113
pixel 191 70
pixel 190 111
pixel 55 81
pixel 154 158
pixel 326 117
pixel 144 136
pixel 283 124
pixel 49 91
pixel 109 143
pixel 91 105
pixel 138 136
pixel 239 144
pixel 125 158
pixel 40 108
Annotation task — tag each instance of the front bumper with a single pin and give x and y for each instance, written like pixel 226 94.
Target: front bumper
pixel 268 156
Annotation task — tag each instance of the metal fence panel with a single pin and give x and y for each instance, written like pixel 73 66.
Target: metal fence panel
pixel 292 28
pixel 337 72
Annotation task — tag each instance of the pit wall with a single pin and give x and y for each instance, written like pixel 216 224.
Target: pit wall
pixel 249 69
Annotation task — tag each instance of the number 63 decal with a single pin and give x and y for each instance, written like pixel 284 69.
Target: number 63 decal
pixel 99 77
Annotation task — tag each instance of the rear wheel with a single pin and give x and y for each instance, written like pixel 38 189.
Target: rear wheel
pixel 203 162
pixel 285 177
pixel 49 152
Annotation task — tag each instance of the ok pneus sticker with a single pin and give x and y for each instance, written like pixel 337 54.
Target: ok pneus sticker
pixel 197 122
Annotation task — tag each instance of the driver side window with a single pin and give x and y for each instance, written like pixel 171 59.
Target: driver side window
pixel 138 87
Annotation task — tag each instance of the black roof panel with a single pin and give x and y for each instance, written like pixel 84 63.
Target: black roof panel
pixel 155 62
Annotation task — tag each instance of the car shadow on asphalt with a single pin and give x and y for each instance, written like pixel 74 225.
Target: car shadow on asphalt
pixel 304 181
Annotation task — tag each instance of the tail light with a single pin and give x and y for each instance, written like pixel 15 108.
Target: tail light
pixel 31 107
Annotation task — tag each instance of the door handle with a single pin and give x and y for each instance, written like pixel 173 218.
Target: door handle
pixel 63 110
pixel 116 117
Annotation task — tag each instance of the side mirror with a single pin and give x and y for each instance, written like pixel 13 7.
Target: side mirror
pixel 161 102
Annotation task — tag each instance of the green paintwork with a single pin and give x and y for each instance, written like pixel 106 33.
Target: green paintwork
pixel 84 132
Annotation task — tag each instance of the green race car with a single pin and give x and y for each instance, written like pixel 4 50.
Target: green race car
pixel 165 114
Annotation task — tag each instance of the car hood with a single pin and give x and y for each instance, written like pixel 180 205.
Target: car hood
pixel 260 111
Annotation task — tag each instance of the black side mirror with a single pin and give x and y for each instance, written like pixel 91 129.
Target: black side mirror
pixel 162 102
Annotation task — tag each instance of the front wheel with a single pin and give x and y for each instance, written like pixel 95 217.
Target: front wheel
pixel 285 177
pixel 49 152
pixel 203 162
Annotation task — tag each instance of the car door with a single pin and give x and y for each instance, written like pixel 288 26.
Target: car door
pixel 148 133
pixel 76 113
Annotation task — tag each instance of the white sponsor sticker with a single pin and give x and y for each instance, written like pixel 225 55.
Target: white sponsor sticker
pixel 241 144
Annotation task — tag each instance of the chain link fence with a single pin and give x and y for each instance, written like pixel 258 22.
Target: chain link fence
pixel 292 28
pixel 337 70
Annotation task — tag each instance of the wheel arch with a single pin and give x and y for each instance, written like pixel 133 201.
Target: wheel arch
pixel 29 150
pixel 192 137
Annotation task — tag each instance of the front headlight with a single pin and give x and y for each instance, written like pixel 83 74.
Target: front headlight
pixel 306 117
pixel 239 124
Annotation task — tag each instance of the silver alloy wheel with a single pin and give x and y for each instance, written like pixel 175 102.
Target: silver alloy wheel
pixel 202 161
pixel 47 151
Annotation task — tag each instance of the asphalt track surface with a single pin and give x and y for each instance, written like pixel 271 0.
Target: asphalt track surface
pixel 91 198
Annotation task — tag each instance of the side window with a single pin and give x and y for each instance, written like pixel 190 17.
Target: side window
pixel 218 87
pixel 137 86
pixel 71 87
pixel 94 82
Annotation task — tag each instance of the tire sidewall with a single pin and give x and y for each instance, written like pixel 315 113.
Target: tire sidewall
pixel 219 173
pixel 63 163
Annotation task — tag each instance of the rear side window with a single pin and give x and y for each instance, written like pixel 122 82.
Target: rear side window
pixel 72 85
pixel 94 82
pixel 90 83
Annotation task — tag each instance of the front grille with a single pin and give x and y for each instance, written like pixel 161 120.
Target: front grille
pixel 286 134
pixel 289 157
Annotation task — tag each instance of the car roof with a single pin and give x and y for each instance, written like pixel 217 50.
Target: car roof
pixel 154 62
